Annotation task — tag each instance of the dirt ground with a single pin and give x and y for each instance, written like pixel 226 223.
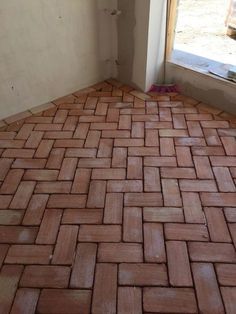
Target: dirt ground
pixel 201 30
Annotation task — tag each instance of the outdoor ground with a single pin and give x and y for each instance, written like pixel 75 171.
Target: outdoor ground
pixel 201 30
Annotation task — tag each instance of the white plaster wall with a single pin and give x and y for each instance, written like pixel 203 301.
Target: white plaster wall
pixel 49 48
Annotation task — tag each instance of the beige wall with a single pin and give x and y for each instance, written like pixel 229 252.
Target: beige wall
pixel 49 48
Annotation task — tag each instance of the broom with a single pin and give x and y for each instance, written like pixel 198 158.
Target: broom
pixel 165 88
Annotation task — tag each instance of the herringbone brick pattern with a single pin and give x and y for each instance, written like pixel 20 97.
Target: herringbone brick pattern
pixel 114 201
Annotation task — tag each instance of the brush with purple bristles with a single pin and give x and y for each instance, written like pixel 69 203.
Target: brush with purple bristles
pixel 165 88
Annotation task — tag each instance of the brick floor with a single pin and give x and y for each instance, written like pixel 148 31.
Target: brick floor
pixel 115 201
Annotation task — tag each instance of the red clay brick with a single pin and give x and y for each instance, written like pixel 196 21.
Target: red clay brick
pixel 112 115
pixel 96 196
pixel 218 199
pixel 100 233
pixel 44 149
pixel 203 167
pixel 224 179
pixel 67 170
pixel 5 201
pixel 151 138
pixel 143 274
pixel 35 210
pixel 190 141
pixel 108 174
pixel 9 278
pixel 208 294
pixel 34 139
pixel 105 148
pixel 83 269
pixel 66 201
pixel 17 234
pixel 18 153
pixel 171 192
pixel 49 227
pixel 58 301
pixel 151 179
pixel 81 131
pixel 192 208
pixel 57 187
pixel 124 122
pixel 116 134
pixel 169 300
pixel 217 225
pixel 120 252
pixel 68 143
pixel 173 133
pixel 45 277
pixel 163 214
pixel 143 199
pixel 143 151
pixel 226 161
pixel 11 181
pixel 184 157
pixel 29 163
pixel 226 274
pixel 194 129
pixel 178 264
pixel 179 121
pixel 212 137
pixel 70 123
pixel 229 295
pixel 154 248
pixel 198 185
pixel 129 300
pixel 125 142
pixel 82 216
pixel 178 173
pixel 81 181
pixel 212 252
pixel 167 147
pixel 215 124
pixel 41 175
pixel 113 208
pixel 119 157
pixel 186 232
pixel 92 139
pixel 132 225
pixel 160 161
pixel 65 245
pixel 94 163
pixel 5 165
pixel 25 301
pixel 101 109
pixel 105 289
pixel 134 168
pixel 55 158
pixel 22 195
pixel 137 130
pixel 29 254
pixel 208 150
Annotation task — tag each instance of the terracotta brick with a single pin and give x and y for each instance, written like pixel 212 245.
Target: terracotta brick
pixel 232 229
pixel 151 138
pixel 230 214
pixel 215 124
pixel 22 195
pixel 119 157
pixel 11 143
pixel 192 208
pixel 83 269
pixel 101 109
pixel 65 245
pixel 11 181
pixel 137 130
pixel 25 301
pixel 194 129
pixel 49 227
pixel 173 133
pixel 198 185
pixel 112 115
pixel 56 187
pixel 81 131
pixel 105 148
pixel 94 163
pixel 92 139
pixel 48 127
pixel 224 179
pixel 55 158
pixel 178 264
pixel 212 137
pixel 132 228
pixel 58 135
pixel 41 175
pixel 9 278
pixel 108 174
pixel 120 252
pixel 158 125
pixel 18 153
pixel 124 122
pixel 151 179
pixel 45 277
pixel 209 150
pixel 154 248
pixel 60 116
pixel 226 161
pixel 184 157
pixel 58 301
pixel 143 199
pixel 143 274
pixel 190 141
pixel 28 163
pixel 163 214
pixel 82 216
pixel 24 131
pixel 169 300
pixel 171 192
pixel 217 225
pixel 160 161
pixel 81 181
pixel 226 274
pixel 212 252
pixel 218 199
pixel 124 186
pixel 165 114
pixel 110 99
pixel 70 123
pixel 145 118
pixel 208 294
pixel 68 143
pixel 229 295
pixel 66 201
pixel 125 142
pixel 5 201
pixel 129 300
pixel 186 232
pixel 5 165
pixel 96 195
pixel 35 210
pixel 179 173
pixel 105 289
pixel 34 139
pixel 143 151
pixel 100 233
pixel 67 170
pixel 167 147
pixel 151 107
pixel 203 167
pixel 134 169
pixel 116 134
pixel 29 254
pixel 113 208
pixel 44 149
pixel 17 234
pixel 179 121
